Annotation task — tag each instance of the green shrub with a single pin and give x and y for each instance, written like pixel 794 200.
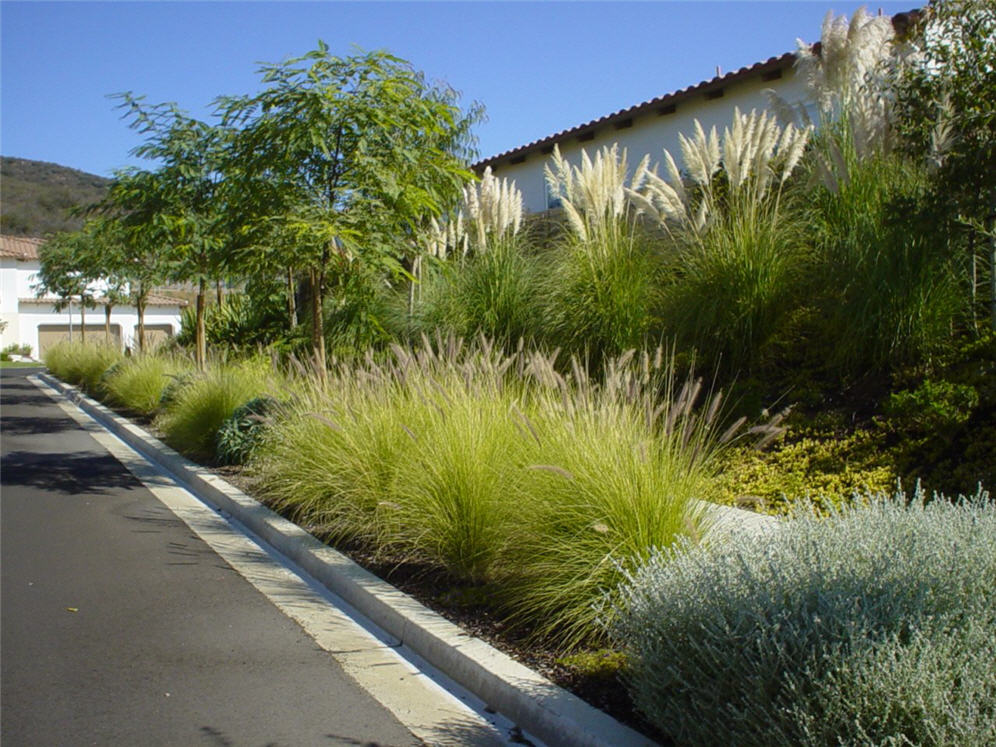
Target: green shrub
pixel 138 383
pixel 873 626
pixel 240 434
pixel 175 383
pixel 932 406
pixel 16 349
pixel 809 464
pixel 241 323
pixel 191 421
pixel 81 364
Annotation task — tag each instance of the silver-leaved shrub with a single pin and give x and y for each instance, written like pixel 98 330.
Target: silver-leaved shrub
pixel 876 625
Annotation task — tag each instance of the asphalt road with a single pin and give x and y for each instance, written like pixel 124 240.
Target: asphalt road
pixel 121 627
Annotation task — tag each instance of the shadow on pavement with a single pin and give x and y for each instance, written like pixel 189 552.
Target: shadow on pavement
pixel 72 474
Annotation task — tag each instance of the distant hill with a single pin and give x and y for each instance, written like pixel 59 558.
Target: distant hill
pixel 35 196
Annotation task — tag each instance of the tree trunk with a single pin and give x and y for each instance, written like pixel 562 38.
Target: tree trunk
pixel 291 300
pixel 82 321
pixel 992 275
pixel 317 327
pixel 217 288
pixel 416 272
pixel 200 355
pixel 140 308
pixel 107 323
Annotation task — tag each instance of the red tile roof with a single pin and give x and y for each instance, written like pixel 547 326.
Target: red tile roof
pixel 152 300
pixel 19 247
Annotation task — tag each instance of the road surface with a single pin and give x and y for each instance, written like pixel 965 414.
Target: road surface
pixel 120 626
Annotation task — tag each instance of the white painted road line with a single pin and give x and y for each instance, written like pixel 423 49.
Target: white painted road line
pixel 407 687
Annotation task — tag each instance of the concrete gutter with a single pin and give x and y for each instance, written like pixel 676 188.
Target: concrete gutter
pixel 537 705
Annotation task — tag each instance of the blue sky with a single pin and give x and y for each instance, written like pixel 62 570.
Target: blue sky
pixel 537 67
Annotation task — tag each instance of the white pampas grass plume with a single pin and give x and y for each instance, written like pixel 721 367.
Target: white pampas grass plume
pixel 592 194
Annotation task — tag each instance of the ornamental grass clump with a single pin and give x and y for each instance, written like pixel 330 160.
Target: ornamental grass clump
pixel 479 276
pixel 876 625
pixel 191 420
pixel 137 383
pixel 495 467
pixel 81 364
pixel 737 249
pixel 603 289
pixel 615 469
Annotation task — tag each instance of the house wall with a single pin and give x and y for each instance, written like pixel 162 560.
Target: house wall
pixel 34 316
pixel 651 132
pixel 17 280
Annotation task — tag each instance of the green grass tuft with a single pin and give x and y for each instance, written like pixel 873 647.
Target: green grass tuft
pixel 82 364
pixel 191 421
pixel 137 383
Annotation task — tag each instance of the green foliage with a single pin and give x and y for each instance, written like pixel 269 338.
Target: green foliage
pixel 66 270
pixel 183 199
pixel 240 434
pixel 174 385
pixel 889 294
pixel 18 349
pixel 240 324
pixel 874 626
pixel 818 464
pixel 82 364
pixel 140 382
pixel 730 291
pixel 604 294
pixel 38 197
pixel 339 158
pixel 932 406
pixel 190 422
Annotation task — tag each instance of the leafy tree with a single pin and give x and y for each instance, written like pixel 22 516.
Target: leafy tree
pixel 67 272
pixel 105 250
pixel 945 92
pixel 183 197
pixel 133 243
pixel 340 158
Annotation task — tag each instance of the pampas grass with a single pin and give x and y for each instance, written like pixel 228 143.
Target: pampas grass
pixel 604 286
pixel 738 251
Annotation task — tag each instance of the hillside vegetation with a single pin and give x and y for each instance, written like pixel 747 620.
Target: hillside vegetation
pixel 36 196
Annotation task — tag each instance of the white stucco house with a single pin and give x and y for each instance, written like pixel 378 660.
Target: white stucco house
pixel 653 126
pixel 29 320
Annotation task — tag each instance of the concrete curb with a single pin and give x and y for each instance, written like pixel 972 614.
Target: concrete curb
pixel 533 702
